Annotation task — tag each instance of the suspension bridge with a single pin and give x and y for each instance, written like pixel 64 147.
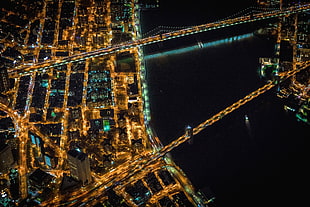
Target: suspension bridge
pixel 252 17
pixel 141 162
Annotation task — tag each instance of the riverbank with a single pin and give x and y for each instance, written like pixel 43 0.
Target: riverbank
pixel 240 165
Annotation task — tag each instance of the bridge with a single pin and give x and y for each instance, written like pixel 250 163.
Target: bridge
pixel 21 71
pixel 146 161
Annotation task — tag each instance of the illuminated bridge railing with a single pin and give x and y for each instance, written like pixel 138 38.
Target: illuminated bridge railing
pixel 158 38
pixel 143 162
pixel 282 77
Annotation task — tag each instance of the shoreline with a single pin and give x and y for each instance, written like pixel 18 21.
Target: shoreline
pixel 157 145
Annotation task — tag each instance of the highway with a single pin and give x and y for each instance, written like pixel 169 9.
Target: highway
pixel 133 162
pixel 21 133
pixel 282 77
pixel 142 163
pixel 45 66
pixel 122 174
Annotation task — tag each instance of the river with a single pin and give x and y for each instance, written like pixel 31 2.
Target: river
pixel 259 160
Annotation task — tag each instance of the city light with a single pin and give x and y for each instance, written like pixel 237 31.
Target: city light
pixel 76 106
pixel 206 45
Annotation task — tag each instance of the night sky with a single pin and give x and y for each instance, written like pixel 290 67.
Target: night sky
pixel 264 164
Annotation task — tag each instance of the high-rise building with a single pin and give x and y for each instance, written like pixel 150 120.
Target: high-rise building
pixel 268 3
pixel 4 80
pixel 40 179
pixel 79 165
pixel 149 4
pixel 6 158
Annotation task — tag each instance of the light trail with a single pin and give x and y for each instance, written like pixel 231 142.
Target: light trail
pixel 143 162
pixel 158 38
pixel 21 133
pixel 199 46
pixel 282 77
pixel 132 167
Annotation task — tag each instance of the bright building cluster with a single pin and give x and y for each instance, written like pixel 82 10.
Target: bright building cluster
pixel 74 133
pixel 74 110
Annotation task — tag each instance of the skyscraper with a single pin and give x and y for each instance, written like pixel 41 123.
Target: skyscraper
pixel 268 3
pixel 4 80
pixel 6 158
pixel 79 165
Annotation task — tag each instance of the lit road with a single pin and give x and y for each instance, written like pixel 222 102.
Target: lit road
pixel 21 133
pixel 133 162
pixel 158 38
pixel 283 76
pixel 149 161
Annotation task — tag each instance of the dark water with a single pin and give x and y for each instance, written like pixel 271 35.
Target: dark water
pixel 261 163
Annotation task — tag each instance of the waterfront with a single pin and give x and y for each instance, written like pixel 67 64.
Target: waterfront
pixel 245 165
pixel 80 121
pixel 56 125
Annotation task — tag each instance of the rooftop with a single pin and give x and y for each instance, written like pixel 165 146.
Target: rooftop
pixel 77 153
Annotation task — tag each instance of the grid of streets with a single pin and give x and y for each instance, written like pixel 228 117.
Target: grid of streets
pixel 95 105
pixel 77 134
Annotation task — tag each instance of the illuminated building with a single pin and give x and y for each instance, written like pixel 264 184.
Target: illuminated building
pixel 6 158
pixel 294 47
pixel 4 80
pixel 149 4
pixel 14 183
pixel 120 10
pixel 97 103
pixel 269 67
pixel 268 3
pixel 49 157
pixel 79 166
pixel 40 179
pixel 68 184
pixel 303 113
